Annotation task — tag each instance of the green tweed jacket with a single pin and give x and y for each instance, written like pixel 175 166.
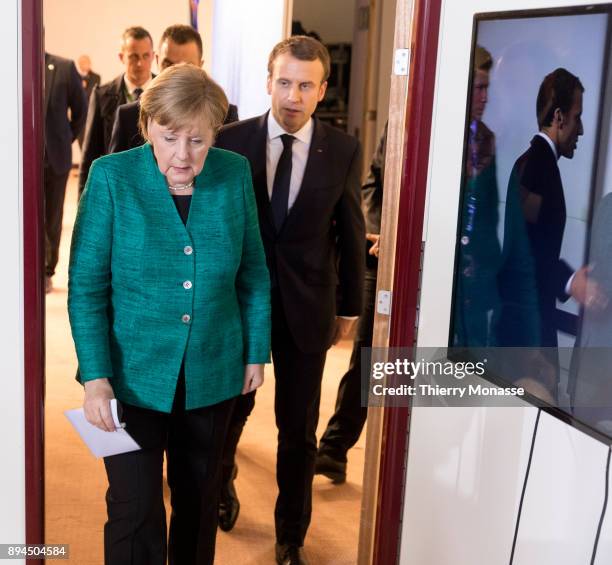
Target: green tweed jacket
pixel 147 293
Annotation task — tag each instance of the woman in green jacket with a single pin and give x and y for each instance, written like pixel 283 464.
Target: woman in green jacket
pixel 170 313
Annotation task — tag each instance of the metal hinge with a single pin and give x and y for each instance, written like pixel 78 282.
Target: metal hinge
pixel 401 62
pixel 383 304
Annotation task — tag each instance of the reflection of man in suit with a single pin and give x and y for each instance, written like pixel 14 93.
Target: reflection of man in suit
pixel 178 44
pixel 137 57
pixel 535 215
pixel 306 178
pixel 63 91
pixel 89 80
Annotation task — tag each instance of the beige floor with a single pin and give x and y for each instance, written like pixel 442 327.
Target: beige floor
pixel 75 481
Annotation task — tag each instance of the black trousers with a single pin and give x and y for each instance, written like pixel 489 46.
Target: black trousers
pixel 345 426
pixel 296 404
pixel 135 533
pixel 55 192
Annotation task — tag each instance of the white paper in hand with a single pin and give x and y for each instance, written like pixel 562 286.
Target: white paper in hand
pixel 100 443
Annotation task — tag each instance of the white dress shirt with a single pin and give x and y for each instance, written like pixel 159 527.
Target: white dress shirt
pixel 274 149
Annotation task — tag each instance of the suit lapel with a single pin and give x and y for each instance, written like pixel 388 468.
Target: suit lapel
pixel 257 157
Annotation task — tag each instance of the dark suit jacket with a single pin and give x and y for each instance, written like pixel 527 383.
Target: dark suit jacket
pixel 126 135
pixel 536 189
pixel 103 104
pixel 320 246
pixel 63 90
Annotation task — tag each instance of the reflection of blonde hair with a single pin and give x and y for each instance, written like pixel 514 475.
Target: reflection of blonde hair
pixel 483 61
pixel 181 95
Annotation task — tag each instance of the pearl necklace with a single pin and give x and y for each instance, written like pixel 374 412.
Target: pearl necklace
pixel 181 188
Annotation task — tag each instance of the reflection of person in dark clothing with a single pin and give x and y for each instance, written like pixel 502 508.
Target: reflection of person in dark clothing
pixel 477 296
pixel 535 221
pixel 345 426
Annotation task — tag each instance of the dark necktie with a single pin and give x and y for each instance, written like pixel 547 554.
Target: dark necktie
pixel 137 92
pixel 282 179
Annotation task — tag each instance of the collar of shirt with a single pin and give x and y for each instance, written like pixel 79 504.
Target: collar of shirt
pixel 275 130
pixel 551 143
pixel 130 86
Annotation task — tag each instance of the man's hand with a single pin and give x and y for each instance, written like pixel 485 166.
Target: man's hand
pixel 98 394
pixel 253 378
pixel 375 239
pixel 588 292
pixel 344 328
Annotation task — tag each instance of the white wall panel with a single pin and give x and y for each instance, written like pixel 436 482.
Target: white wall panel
pixel 465 474
pixel 564 497
pixel 12 469
pixel 243 38
pixel 466 466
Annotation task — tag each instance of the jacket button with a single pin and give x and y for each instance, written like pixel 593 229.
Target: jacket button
pixel 186 318
pixel 187 285
pixel 188 250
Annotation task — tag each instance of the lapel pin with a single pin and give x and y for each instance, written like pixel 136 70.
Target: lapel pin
pixel 51 66
pixel 319 150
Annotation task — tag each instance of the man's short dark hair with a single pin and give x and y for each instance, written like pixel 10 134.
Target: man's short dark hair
pixel 136 33
pixel 303 48
pixel 182 34
pixel 557 90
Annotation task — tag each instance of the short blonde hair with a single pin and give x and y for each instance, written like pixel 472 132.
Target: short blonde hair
pixel 181 95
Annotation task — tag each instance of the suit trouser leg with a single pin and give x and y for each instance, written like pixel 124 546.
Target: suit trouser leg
pixel 135 532
pixel 195 447
pixel 296 404
pixel 242 409
pixel 55 192
pixel 345 426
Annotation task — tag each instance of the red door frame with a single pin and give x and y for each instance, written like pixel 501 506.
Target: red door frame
pixel 424 52
pixel 33 268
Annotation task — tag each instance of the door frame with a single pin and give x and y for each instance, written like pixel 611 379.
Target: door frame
pixel 32 61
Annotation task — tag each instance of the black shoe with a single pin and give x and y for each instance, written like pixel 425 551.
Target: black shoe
pixel 289 554
pixel 331 468
pixel 229 505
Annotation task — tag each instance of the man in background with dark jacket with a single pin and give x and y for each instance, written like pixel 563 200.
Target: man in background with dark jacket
pixel 63 92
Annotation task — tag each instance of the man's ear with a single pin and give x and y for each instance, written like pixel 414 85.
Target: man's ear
pixel 559 118
pixel 322 90
pixel 269 84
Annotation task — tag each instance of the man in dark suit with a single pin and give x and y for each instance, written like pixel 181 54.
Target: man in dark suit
pixel 63 92
pixel 179 44
pixel 137 57
pixel 533 276
pixel 306 176
pixel 89 80
pixel 345 425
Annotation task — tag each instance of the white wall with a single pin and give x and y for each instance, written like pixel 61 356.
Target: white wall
pixel 331 19
pixel 243 38
pixel 94 28
pixel 12 470
pixel 465 466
